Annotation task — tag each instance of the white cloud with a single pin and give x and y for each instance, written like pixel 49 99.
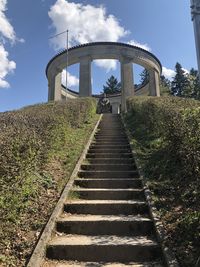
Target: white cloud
pixel 6 66
pixel 186 71
pixel 135 43
pixel 6 33
pixel 168 73
pixel 86 23
pixel 6 29
pixel 108 64
pixel 72 80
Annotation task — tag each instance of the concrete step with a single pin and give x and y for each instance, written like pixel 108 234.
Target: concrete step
pixel 113 161
pixel 55 263
pixel 108 174
pixel 106 221
pixel 112 138
pixel 108 167
pixel 102 248
pixel 105 225
pixel 109 150
pixel 109 194
pixel 110 143
pixel 115 129
pixel 109 183
pixel 111 132
pixel 109 155
pixel 109 135
pixel 106 207
pixel 115 146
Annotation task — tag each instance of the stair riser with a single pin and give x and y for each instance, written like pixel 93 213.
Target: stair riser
pixel 111 139
pixel 105 228
pixel 111 132
pixel 109 184
pixel 111 161
pixel 108 167
pixel 113 129
pixel 110 174
pixel 106 209
pixel 109 253
pixel 111 136
pixel 110 195
pixel 110 151
pixel 102 146
pixel 109 155
pixel 110 143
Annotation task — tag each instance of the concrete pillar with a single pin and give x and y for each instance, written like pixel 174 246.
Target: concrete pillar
pixel 195 11
pixel 154 83
pixel 54 85
pixel 85 85
pixel 115 108
pixel 127 81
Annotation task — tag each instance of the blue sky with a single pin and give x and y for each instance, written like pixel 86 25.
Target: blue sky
pixel 164 27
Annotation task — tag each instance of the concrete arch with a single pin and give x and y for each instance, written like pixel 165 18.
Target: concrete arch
pixel 84 54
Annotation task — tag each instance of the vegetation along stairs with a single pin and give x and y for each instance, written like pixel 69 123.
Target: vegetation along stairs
pixel 106 220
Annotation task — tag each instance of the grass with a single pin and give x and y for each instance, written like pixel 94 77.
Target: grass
pixel 39 146
pixel 165 135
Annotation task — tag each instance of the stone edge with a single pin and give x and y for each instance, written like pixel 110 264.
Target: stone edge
pixel 168 256
pixel 102 43
pixel 38 254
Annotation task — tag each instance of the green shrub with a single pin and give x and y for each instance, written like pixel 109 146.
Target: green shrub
pixel 165 134
pixel 39 148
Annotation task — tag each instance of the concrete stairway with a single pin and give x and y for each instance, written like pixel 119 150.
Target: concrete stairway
pixel 106 222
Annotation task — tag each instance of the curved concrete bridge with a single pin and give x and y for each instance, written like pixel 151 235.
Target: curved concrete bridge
pixel 84 54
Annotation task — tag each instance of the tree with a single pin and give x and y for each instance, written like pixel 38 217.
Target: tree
pixel 193 88
pixel 165 86
pixel 196 83
pixel 144 76
pixel 180 81
pixel 112 86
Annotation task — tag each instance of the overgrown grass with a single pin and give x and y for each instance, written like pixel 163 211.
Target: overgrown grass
pixel 165 134
pixel 39 148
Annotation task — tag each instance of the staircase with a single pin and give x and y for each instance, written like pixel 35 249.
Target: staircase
pixel 106 222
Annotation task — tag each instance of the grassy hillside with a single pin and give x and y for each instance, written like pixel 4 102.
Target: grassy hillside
pixel 39 147
pixel 166 136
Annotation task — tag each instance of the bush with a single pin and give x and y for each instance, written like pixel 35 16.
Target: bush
pixel 39 146
pixel 166 134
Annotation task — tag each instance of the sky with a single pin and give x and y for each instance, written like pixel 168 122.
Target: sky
pixel 163 27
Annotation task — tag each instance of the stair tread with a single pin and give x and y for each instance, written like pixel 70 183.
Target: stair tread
pixel 100 171
pixel 89 217
pixel 110 202
pixel 104 240
pixel 108 179
pixel 109 164
pixel 109 189
pixel 99 264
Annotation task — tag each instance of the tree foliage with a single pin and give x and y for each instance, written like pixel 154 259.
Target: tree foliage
pixel 185 84
pixel 112 86
pixel 144 76
pixel 165 86
pixel 180 81
pixel 192 90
